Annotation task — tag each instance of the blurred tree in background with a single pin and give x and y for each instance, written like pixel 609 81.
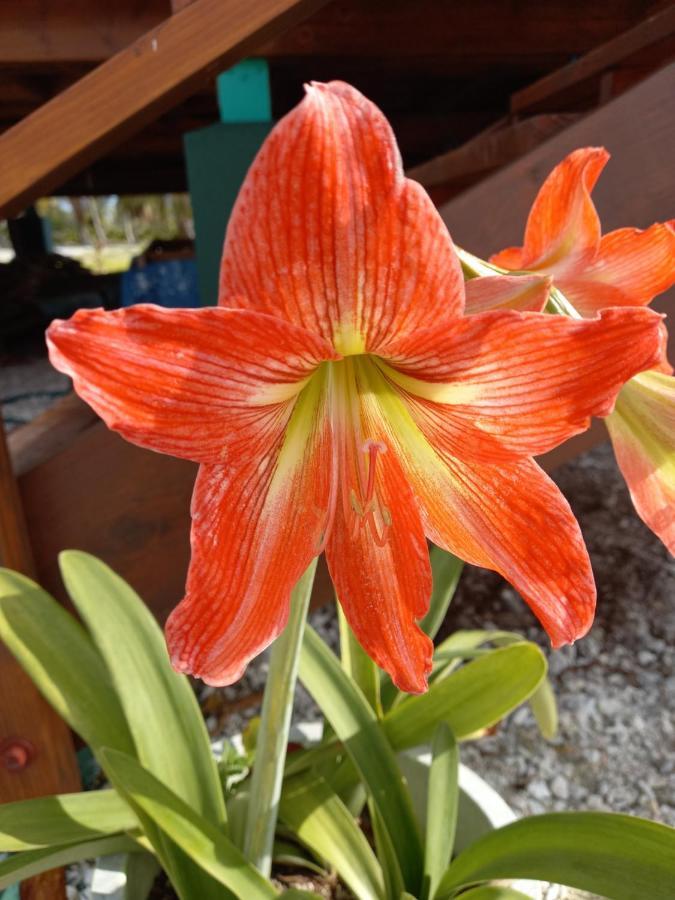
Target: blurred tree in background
pixel 97 221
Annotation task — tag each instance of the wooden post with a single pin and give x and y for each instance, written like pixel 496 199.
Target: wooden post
pixel 36 747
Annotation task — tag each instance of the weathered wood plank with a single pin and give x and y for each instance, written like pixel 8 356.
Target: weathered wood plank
pixel 132 88
pixel 50 31
pixel 653 39
pixel 448 174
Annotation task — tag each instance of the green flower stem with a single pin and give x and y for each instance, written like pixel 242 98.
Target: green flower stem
pixel 270 755
pixel 474 267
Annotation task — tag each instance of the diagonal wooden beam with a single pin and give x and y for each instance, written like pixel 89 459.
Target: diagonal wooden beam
pixel 650 43
pixel 131 89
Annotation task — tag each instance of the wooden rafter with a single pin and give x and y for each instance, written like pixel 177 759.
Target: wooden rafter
pixel 50 31
pixel 131 89
pixel 644 47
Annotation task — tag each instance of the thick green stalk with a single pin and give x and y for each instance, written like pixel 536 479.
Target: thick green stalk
pixel 270 755
pixel 474 267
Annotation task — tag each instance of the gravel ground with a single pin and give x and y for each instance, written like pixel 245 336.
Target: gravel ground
pixel 616 687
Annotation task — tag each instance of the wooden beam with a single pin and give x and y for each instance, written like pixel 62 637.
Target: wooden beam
pixel 448 174
pixel 133 88
pixel 655 37
pixel 636 188
pixel 470 34
pixel 77 31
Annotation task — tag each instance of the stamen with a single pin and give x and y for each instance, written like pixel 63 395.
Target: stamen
pixel 372 448
pixel 369 513
pixel 381 537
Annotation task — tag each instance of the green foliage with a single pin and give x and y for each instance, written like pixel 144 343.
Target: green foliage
pixel 620 857
pixel 442 807
pixel 357 727
pixel 112 682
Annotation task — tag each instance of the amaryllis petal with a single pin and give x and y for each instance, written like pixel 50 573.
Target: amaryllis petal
pixel 254 531
pixel 525 530
pixel 329 234
pixel 563 229
pixel 506 384
pixel 526 293
pixel 630 269
pixel 377 553
pixel 508 258
pixel 510 518
pixel 642 429
pixel 204 384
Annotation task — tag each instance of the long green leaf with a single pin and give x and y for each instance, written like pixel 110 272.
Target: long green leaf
pixel 356 725
pixel 140 869
pixel 493 892
pixel 69 670
pixel 160 706
pixel 616 856
pixel 62 661
pixel 386 853
pixel 476 696
pixel 24 865
pixel 446 570
pixel 442 806
pixel 358 665
pixel 319 819
pixel 200 840
pixel 63 819
pixel 469 700
pixel 464 644
pixel 275 720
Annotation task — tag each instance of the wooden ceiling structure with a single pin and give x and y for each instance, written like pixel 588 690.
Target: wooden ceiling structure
pixel 442 70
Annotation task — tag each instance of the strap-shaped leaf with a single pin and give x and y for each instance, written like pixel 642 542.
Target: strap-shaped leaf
pixel 616 856
pixel 358 665
pixel 356 725
pixel 321 821
pixel 493 892
pixel 31 862
pixel 160 706
pixel 464 644
pixel 63 819
pixel 442 805
pixel 62 661
pixel 386 853
pixel 472 698
pixel 446 570
pixel 200 840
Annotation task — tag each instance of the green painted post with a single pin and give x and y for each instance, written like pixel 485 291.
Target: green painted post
pixel 217 159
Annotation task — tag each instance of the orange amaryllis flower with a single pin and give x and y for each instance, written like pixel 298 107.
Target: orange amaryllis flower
pixel 627 267
pixel 339 399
